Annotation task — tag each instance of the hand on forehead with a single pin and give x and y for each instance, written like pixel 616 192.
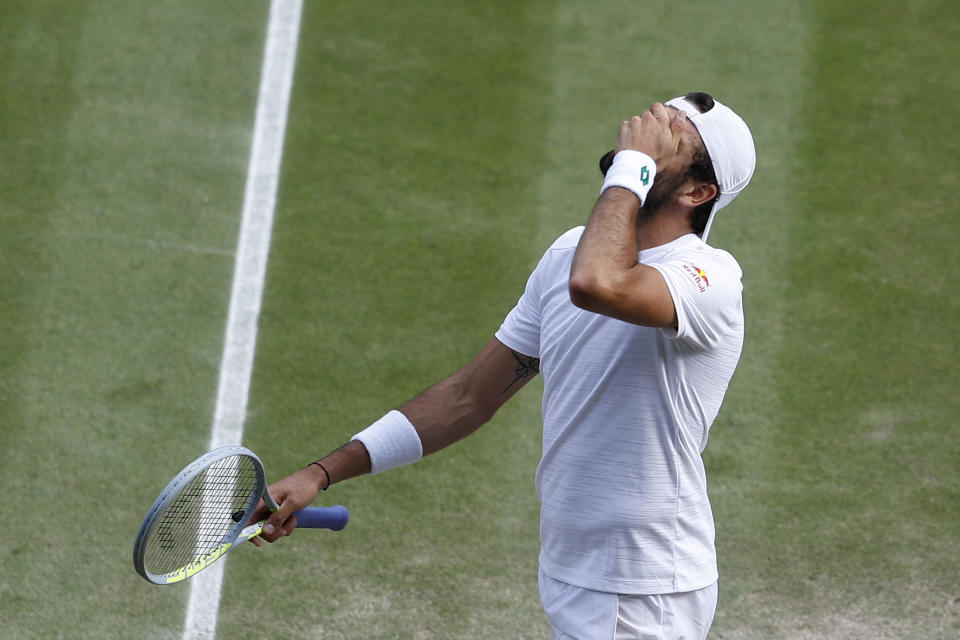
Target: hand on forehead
pixel 690 135
pixel 690 139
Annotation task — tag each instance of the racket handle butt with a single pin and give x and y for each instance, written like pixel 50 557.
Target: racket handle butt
pixel 335 518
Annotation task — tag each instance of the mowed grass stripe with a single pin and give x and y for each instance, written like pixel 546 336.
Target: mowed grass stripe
pixel 402 238
pixel 132 141
pixel 38 64
pixel 868 466
pixel 253 250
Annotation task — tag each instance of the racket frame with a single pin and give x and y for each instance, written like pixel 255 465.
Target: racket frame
pixel 235 535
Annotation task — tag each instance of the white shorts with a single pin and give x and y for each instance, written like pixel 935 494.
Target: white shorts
pixel 581 614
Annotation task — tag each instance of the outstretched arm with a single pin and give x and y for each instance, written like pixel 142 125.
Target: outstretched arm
pixel 456 407
pixel 446 412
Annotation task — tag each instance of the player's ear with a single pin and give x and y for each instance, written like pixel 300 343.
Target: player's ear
pixel 693 194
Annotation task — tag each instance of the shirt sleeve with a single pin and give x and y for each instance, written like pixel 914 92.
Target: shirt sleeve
pixel 707 294
pixel 520 330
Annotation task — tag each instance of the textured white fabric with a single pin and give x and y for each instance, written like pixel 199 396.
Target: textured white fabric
pixel 392 441
pixel 626 413
pixel 576 613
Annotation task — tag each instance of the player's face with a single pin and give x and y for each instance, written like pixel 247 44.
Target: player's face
pixel 665 187
pixel 673 175
pixel 689 142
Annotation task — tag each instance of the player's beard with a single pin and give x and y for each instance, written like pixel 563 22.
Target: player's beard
pixel 664 188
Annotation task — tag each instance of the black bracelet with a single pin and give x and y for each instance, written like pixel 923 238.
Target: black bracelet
pixel 325 472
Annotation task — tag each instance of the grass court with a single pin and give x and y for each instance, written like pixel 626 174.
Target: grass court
pixel 434 149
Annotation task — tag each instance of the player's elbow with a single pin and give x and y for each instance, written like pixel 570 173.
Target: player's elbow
pixel 590 292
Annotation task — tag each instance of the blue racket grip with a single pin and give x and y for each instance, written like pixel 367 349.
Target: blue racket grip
pixel 335 518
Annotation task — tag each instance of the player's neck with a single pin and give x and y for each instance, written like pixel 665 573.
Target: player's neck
pixel 663 226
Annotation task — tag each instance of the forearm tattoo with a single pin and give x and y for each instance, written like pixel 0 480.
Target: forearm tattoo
pixel 527 367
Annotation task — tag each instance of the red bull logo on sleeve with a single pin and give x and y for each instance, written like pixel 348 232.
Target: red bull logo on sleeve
pixel 699 276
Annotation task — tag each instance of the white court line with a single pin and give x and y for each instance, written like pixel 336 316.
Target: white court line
pixel 250 267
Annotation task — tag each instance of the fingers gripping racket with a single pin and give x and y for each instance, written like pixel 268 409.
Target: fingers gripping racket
pixel 200 515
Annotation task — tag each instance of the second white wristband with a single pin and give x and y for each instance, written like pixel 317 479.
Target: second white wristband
pixel 633 170
pixel 392 441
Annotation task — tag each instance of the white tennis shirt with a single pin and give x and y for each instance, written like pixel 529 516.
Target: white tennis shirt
pixel 626 413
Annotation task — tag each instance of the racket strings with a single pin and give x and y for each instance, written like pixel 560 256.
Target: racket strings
pixel 203 513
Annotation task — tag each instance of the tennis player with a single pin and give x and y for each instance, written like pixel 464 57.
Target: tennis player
pixel 636 325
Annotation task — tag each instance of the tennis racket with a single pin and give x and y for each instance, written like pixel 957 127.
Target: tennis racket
pixel 200 515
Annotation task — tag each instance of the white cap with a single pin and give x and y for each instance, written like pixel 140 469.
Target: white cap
pixel 730 145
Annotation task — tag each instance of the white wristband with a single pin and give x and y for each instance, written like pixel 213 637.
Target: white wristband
pixel 633 170
pixel 392 441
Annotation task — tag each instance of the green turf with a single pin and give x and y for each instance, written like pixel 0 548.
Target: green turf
pixel 434 150
pixel 862 471
pixel 122 178
pixel 398 247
